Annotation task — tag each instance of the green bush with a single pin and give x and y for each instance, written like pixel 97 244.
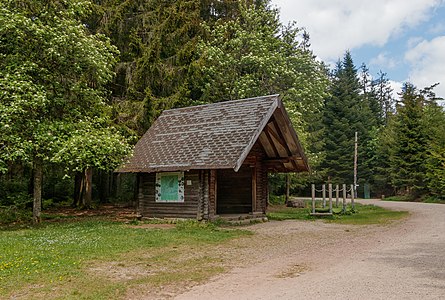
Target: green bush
pixel 274 199
pixel 17 209
pixel 10 190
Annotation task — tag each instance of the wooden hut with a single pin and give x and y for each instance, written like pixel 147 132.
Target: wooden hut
pixel 210 160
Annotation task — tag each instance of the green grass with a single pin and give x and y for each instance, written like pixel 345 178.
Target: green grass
pixel 281 213
pixel 55 257
pixel 400 198
pixel 369 214
pixel 433 200
pixel 423 199
pixel 363 215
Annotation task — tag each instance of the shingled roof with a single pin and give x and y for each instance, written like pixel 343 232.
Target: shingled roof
pixel 218 136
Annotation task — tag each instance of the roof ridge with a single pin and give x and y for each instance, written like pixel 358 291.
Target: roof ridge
pixel 222 102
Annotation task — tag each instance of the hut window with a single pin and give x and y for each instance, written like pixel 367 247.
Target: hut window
pixel 170 187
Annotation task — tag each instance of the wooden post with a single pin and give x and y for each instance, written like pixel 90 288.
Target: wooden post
pixel 337 194
pixel 330 197
pixel 352 196
pixel 313 198
pixel 344 198
pixel 353 190
pixel 323 190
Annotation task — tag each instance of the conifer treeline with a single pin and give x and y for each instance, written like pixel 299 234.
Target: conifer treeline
pixel 401 139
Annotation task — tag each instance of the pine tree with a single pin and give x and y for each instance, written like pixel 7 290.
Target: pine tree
pixel 346 112
pixel 434 122
pixel 157 40
pixel 378 94
pixel 408 153
pixel 383 93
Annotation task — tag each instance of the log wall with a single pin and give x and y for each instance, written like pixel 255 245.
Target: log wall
pixel 201 198
pixel 148 207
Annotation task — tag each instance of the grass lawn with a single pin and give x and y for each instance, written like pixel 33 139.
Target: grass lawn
pixel 364 214
pixel 98 259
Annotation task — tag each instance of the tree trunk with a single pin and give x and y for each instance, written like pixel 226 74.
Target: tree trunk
pixel 287 187
pixel 88 180
pixel 78 188
pixel 31 183
pixel 37 193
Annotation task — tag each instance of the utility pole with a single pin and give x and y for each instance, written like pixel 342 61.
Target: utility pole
pixel 355 164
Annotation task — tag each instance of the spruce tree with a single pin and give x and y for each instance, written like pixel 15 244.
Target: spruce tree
pixel 378 94
pixel 157 40
pixel 408 153
pixel 433 120
pixel 346 112
pixel 385 102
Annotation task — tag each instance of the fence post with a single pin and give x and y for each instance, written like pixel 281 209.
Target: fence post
pixel 313 198
pixel 344 198
pixel 323 190
pixel 330 197
pixel 352 196
pixel 337 193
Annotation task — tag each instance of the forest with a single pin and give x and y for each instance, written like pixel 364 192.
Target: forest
pixel 81 81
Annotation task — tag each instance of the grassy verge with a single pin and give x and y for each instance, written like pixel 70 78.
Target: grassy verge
pixel 364 214
pixel 97 259
pixel 427 199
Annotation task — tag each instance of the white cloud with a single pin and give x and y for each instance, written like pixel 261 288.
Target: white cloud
pixel 396 88
pixel 383 61
pixel 427 60
pixel 338 25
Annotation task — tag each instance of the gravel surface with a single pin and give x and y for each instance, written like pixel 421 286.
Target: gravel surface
pixel 316 260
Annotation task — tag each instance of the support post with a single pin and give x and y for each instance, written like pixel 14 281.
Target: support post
pixel 354 190
pixel 313 198
pixel 323 190
pixel 344 198
pixel 337 194
pixel 352 197
pixel 330 197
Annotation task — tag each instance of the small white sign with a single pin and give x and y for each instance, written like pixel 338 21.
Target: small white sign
pixel 189 182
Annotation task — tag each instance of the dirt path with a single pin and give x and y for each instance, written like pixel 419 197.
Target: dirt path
pixel 315 260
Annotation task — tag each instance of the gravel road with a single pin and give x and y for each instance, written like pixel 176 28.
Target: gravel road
pixel 316 260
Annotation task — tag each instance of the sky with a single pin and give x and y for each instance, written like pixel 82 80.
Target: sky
pixel 404 39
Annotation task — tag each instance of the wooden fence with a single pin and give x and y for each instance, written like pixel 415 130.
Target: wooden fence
pixel 344 190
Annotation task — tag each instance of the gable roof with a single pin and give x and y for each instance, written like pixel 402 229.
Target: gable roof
pixel 217 136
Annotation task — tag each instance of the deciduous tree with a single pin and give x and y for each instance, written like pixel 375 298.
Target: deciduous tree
pixel 52 78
